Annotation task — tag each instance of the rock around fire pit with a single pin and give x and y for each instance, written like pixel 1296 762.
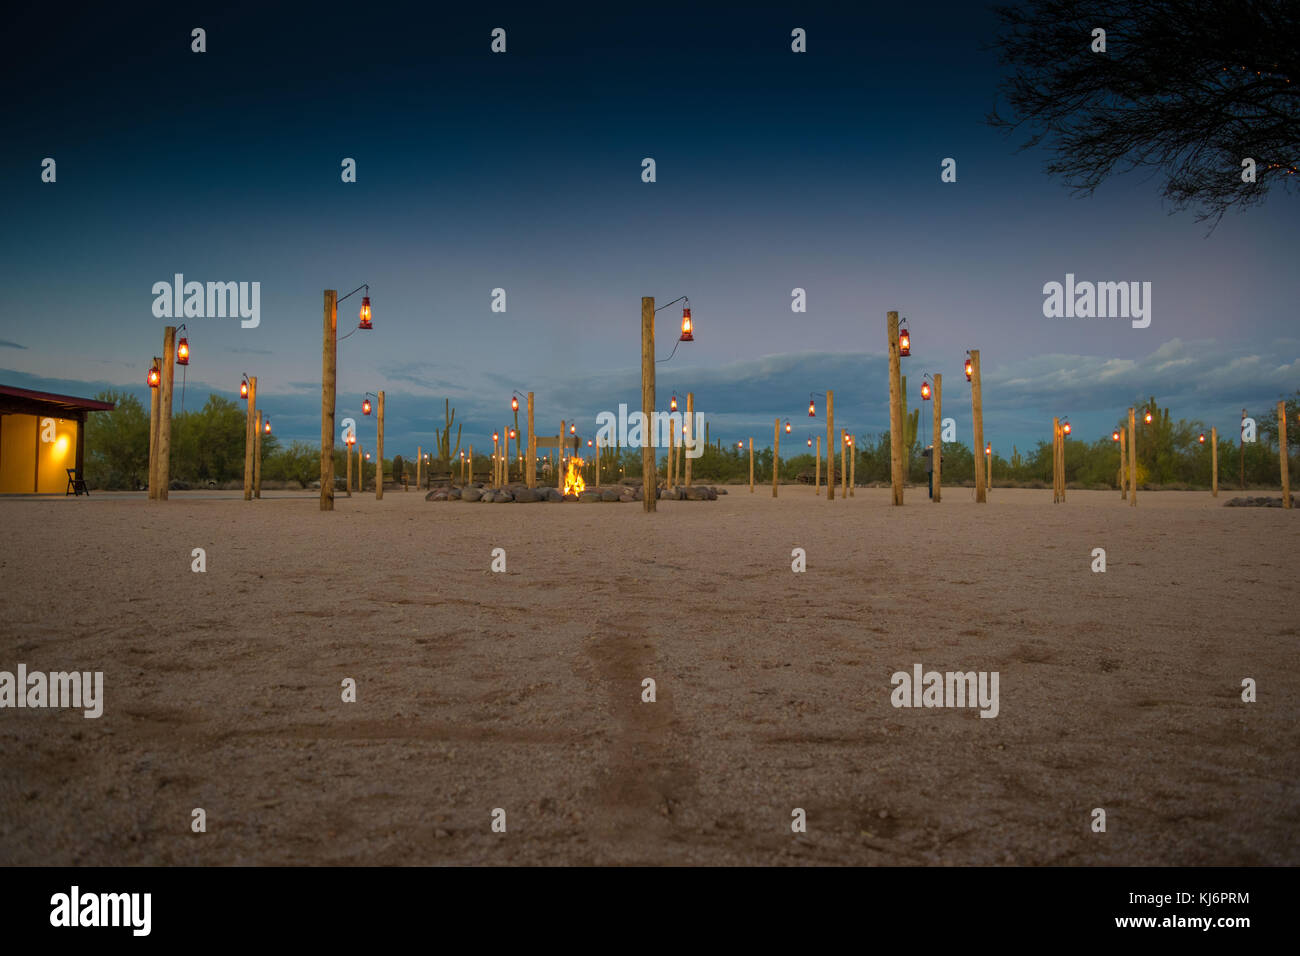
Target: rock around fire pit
pixel 626 491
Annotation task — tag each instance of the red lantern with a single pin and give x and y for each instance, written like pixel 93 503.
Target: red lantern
pixel 1065 427
pixel 809 442
pixel 243 389
pixel 588 442
pixel 787 426
pixel 925 391
pixel 686 326
pixel 365 406
pixel 988 449
pixel 155 377
pixel 183 351
pixel 1202 438
pixel 266 427
pixel 495 436
pixel 514 404
pixel 365 313
pixel 673 405
pixel 970 369
pixel 812 409
pixel 573 429
pixel 1114 436
pixel 513 434
pixel 904 341
pixel 1147 417
pixel 351 439
pixel 740 445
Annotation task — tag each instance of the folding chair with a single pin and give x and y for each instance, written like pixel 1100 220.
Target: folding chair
pixel 76 485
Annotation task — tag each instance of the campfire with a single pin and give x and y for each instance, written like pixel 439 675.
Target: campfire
pixel 573 483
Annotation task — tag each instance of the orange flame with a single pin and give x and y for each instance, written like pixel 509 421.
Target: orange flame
pixel 573 483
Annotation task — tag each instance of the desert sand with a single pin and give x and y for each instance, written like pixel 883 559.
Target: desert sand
pixel 522 690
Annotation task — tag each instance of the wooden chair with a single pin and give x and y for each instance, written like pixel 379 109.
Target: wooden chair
pixel 76 486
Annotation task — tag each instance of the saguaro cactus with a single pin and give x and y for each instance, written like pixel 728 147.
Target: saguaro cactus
pixel 445 452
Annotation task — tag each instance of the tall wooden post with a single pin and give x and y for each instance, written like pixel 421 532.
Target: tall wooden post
pixel 559 459
pixel 830 446
pixel 597 482
pixel 530 466
pixel 379 451
pixel 817 470
pixel 853 469
pixel 691 438
pixel 751 466
pixel 257 454
pixel 895 410
pixel 672 454
pixel 1132 459
pixel 419 465
pixel 648 480
pixel 165 412
pixel 776 455
pixel 844 464
pixel 252 430
pixel 328 377
pixel 361 469
pixel 936 449
pixel 988 466
pixel 155 407
pixel 1056 460
pixel 977 414
pixel 347 457
pixel 1123 463
pixel 470 464
pixel 1282 454
pixel 1214 463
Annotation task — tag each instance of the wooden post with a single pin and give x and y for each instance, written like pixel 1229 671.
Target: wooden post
pixel 347 457
pixel 936 449
pixel 977 414
pixel 895 410
pixel 817 470
pixel 1282 454
pixel 1056 460
pixel 1123 463
pixel 165 412
pixel 776 455
pixel 530 464
pixel 379 451
pixel 252 429
pixel 1214 463
pixel 1132 459
pixel 830 446
pixel 361 468
pixel 988 465
pixel 559 459
pixel 470 462
pixel 672 454
pixel 257 455
pixel 844 469
pixel 853 469
pixel 328 378
pixel 648 479
pixel 1243 453
pixel 691 437
pixel 155 407
pixel 751 466
pixel 419 465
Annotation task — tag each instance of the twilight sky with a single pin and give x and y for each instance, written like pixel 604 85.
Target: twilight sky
pixel 523 171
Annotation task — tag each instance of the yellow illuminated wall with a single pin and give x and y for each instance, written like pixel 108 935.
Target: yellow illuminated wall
pixel 25 441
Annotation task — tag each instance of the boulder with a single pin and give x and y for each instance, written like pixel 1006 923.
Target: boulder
pixel 554 494
pixel 697 493
pixel 453 494
pixel 609 494
pixel 587 497
pixel 527 495
pixel 471 493
pixel 503 495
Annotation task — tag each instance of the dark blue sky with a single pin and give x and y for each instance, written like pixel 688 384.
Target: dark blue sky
pixel 522 171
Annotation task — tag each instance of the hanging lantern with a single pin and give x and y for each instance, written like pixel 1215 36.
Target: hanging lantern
pixel 672 407
pixel 513 434
pixel 809 442
pixel 588 442
pixel 1147 417
pixel 367 456
pixel 365 406
pixel 183 351
pixel 495 436
pixel 514 404
pixel 365 313
pixel 1065 427
pixel 787 426
pixel 970 369
pixel 904 341
pixel 740 445
pixel 686 325
pixel 1114 436
pixel 812 409
pixel 1201 439
pixel 351 439
pixel 243 389
pixel 988 449
pixel 925 391
pixel 155 376
pixel 266 426
pixel 573 429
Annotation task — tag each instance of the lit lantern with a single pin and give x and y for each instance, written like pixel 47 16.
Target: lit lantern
pixel 1114 436
pixel 925 391
pixel 513 434
pixel 352 439
pixel 740 445
pixel 970 369
pixel 787 426
pixel 514 404
pixel 243 389
pixel 812 409
pixel 266 426
pixel 155 376
pixel 367 456
pixel 904 341
pixel 988 449
pixel 1147 417
pixel 183 351
pixel 365 313
pixel 1202 438
pixel 672 407
pixel 365 406
pixel 588 442
pixel 1065 427
pixel 495 436
pixel 809 442
pixel 686 325
pixel 573 429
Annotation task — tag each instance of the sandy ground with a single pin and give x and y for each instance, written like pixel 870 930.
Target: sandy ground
pixel 522 690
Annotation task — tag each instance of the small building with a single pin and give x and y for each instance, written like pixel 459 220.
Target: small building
pixel 42 435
